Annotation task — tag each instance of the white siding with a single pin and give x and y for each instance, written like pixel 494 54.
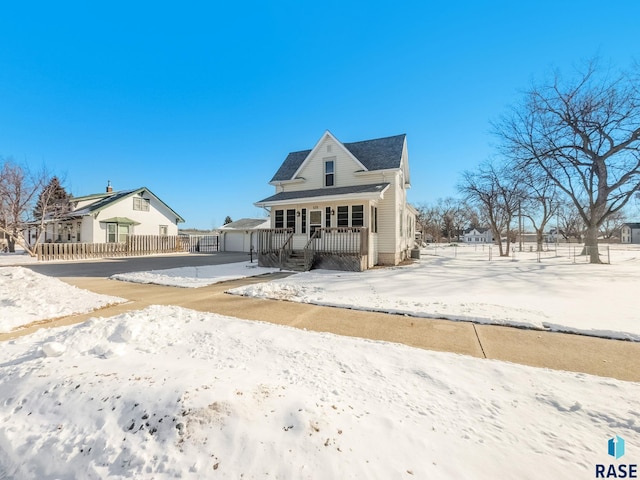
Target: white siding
pixel 150 221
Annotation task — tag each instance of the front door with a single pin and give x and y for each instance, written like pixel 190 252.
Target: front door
pixel 315 222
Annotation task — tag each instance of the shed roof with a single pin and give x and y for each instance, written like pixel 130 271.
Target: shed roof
pixel 374 188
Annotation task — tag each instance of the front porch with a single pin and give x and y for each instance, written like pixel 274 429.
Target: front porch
pixel 337 248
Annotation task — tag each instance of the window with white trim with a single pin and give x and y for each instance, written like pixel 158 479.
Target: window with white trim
pixel 279 219
pixel 343 216
pixel 357 216
pixel 141 204
pixel 112 229
pixel 291 219
pixel 329 173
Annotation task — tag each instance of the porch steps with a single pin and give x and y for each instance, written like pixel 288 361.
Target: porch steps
pixel 296 262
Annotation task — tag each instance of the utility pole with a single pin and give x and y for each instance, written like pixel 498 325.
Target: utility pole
pixel 520 224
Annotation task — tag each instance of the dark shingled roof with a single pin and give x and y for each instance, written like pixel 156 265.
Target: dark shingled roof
pixel 633 226
pixel 105 199
pixel 114 197
pixel 324 192
pixel 377 154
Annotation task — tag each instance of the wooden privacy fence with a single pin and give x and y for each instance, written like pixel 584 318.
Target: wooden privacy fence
pixel 135 245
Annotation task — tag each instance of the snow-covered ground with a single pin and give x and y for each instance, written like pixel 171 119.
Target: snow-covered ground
pixel 460 283
pixel 195 277
pixel 172 393
pixel 18 258
pixel 26 297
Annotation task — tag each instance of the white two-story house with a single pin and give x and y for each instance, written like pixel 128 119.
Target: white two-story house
pixel 340 206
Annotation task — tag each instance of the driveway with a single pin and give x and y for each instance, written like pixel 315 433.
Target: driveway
pixel 110 266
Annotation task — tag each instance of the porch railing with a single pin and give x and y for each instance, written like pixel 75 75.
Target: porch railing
pixel 273 240
pixel 348 240
pixel 336 241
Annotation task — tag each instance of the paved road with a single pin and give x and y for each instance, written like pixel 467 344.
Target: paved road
pixel 106 267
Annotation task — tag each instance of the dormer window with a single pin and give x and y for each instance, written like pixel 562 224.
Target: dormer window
pixel 329 173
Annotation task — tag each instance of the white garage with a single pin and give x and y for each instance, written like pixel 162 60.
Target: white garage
pixel 240 235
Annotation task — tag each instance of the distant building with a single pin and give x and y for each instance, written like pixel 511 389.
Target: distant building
pixel 478 235
pixel 630 233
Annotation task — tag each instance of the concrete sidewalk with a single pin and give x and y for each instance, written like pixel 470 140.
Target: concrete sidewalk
pixel 597 356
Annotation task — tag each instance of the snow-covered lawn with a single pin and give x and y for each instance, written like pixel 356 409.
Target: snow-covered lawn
pixel 26 297
pixel 172 393
pixel 195 277
pixel 18 258
pixel 462 284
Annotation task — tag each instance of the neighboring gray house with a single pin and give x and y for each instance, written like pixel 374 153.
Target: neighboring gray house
pixel 478 235
pixel 341 205
pixel 241 235
pixel 630 233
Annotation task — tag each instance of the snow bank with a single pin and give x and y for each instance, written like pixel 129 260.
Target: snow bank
pixel 194 277
pixel 26 297
pixel 173 393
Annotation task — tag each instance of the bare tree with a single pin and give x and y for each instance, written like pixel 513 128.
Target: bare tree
pixel 612 224
pixel 539 200
pixel 570 222
pixel 492 190
pixel 430 222
pixel 455 215
pixel 585 136
pixel 20 190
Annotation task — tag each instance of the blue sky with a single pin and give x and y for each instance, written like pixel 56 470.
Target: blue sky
pixel 201 101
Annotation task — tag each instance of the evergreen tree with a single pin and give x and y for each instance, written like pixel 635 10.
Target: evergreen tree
pixel 53 201
pixel 227 219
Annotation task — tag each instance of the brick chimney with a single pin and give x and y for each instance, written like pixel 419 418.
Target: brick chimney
pixel 109 187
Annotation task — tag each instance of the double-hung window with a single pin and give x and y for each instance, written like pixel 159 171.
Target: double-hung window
pixel 343 216
pixel 357 216
pixel 329 173
pixel 279 219
pixel 291 219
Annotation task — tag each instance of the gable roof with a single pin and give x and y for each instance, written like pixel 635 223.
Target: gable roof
pixel 103 200
pixel 633 226
pixel 377 154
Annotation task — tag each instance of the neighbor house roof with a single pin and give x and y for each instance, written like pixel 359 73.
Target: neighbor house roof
pixel 103 200
pixel 363 191
pixel 633 226
pixel 377 154
pixel 247 224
